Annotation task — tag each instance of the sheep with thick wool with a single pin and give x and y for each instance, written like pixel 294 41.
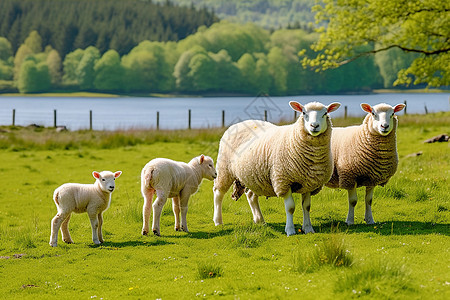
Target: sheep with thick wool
pixel 365 155
pixel 91 198
pixel 269 160
pixel 172 179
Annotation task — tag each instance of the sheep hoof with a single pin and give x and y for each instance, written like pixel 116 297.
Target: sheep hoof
pixel 53 245
pixel 289 231
pixel 68 241
pixel 308 229
pixel 97 242
pixel 156 233
pixel 371 222
pixel 177 229
pixel 144 232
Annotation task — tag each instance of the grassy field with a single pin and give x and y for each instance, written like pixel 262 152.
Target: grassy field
pixel 404 256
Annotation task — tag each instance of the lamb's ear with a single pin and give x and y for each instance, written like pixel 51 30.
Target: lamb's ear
pixel 117 174
pixel 399 107
pixel 96 174
pixel 333 106
pixel 202 158
pixel 296 106
pixel 366 107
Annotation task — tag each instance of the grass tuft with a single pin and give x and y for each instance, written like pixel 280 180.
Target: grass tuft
pixel 251 235
pixel 209 270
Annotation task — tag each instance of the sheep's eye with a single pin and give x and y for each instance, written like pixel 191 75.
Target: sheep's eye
pixel 103 179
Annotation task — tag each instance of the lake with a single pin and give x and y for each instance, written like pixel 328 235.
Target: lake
pixel 140 112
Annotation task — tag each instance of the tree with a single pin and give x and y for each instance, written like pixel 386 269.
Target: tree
pixel 70 64
pixel 419 26
pixel 108 72
pixel 54 66
pixel 34 77
pixel 84 72
pixel 34 42
pixel 5 49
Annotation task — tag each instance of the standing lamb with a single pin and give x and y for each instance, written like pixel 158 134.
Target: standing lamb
pixel 270 160
pixel 176 180
pixel 365 155
pixel 91 198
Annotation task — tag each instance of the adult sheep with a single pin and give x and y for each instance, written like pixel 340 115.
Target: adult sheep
pixel 270 160
pixel 91 198
pixel 365 155
pixel 176 180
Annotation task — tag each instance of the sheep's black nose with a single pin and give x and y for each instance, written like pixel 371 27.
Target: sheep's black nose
pixel 385 126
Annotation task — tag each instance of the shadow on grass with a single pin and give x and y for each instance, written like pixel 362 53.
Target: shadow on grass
pixel 381 228
pixel 201 235
pixel 115 245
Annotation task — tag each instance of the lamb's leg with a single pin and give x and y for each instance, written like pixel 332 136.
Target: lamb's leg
pixel 252 199
pixel 65 230
pixel 55 225
pixel 352 200
pixel 93 217
pixel 158 205
pixel 176 212
pixel 184 209
pixel 306 205
pixel 369 195
pixel 289 206
pixel 100 224
pixel 147 208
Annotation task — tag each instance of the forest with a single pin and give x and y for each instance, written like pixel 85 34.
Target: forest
pixel 217 58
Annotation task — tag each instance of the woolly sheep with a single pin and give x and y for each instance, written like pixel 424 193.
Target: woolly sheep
pixel 176 180
pixel 270 160
pixel 91 198
pixel 365 155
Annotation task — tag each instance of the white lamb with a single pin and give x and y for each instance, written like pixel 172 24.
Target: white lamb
pixel 176 180
pixel 270 160
pixel 365 155
pixel 91 198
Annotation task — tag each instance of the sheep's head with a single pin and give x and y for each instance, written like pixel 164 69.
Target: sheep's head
pixel 315 115
pixel 207 166
pixel 106 180
pixel 382 117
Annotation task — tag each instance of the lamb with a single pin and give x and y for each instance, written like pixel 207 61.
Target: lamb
pixel 269 160
pixel 91 198
pixel 177 180
pixel 365 155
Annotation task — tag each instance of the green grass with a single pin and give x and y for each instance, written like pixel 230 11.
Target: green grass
pixel 404 256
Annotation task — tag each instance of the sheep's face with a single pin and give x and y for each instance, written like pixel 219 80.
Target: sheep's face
pixel 106 180
pixel 315 115
pixel 207 165
pixel 382 117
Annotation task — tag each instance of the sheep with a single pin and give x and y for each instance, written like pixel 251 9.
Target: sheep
pixel 365 155
pixel 176 180
pixel 91 198
pixel 269 160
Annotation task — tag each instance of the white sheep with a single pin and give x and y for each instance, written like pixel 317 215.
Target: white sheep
pixel 172 179
pixel 91 198
pixel 365 155
pixel 270 160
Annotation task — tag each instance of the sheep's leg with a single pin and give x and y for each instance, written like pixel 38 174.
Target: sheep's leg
pixel 289 206
pixel 221 185
pixel 368 214
pixel 100 224
pixel 93 217
pixel 352 200
pixel 252 199
pixel 184 209
pixel 176 212
pixel 306 205
pixel 157 209
pixel 56 224
pixel 65 230
pixel 147 208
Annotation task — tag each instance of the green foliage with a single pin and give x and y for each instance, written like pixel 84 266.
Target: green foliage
pixel 208 270
pixel 33 77
pixel 109 72
pixel 412 26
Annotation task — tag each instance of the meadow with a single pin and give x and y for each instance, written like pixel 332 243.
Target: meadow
pixel 404 256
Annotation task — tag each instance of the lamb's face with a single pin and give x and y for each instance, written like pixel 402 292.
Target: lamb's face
pixel 315 115
pixel 382 117
pixel 106 180
pixel 207 165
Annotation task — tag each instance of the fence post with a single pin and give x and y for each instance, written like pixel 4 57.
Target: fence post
pixel 405 106
pixel 426 110
pixel 54 118
pixel 265 115
pixel 189 119
pixel 90 120
pixel 223 118
pixel 14 117
pixel 157 120
pixel 345 112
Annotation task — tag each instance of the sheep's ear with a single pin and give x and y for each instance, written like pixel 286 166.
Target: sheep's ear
pixel 399 107
pixel 202 158
pixel 96 174
pixel 117 174
pixel 333 106
pixel 366 107
pixel 296 106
